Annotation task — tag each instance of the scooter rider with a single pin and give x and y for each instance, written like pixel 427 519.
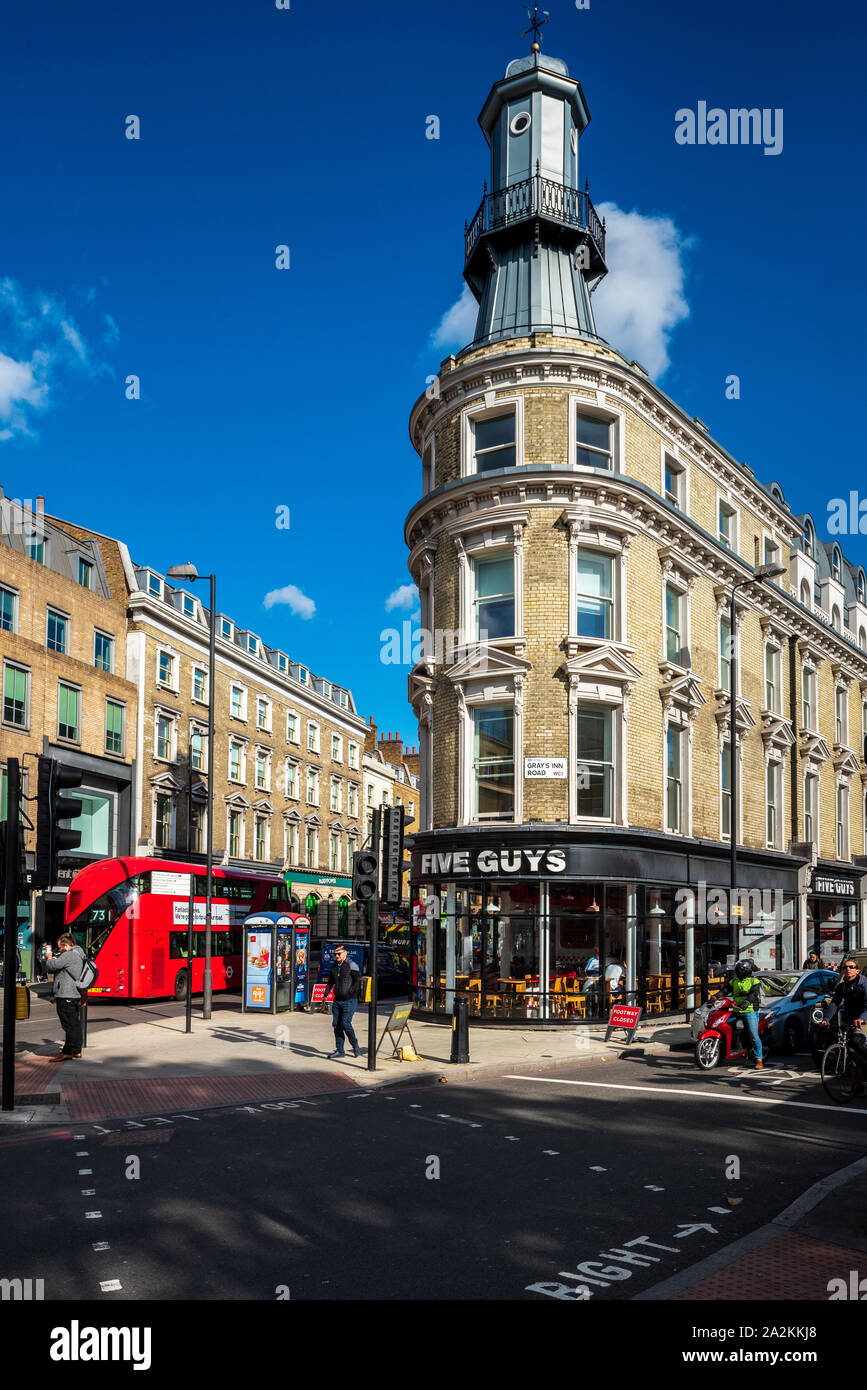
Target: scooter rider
pixel 850 999
pixel 746 997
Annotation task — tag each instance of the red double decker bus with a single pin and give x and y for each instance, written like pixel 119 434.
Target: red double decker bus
pixel 131 915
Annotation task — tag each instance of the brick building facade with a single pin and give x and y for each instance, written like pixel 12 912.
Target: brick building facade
pixel 67 692
pixel 582 534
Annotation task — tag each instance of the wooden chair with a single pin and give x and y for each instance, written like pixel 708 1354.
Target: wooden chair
pixel 654 994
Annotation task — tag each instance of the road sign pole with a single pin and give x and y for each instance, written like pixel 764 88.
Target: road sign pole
pixel 10 929
pixel 373 947
pixel 188 1027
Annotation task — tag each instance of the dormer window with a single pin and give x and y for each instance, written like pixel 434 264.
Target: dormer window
pixel 155 585
pixel 303 675
pixel 85 573
pixel 188 606
pixel 674 481
pixel 252 644
pixel 282 663
pixel 727 525
pixel 836 564
pixel 861 589
pixel 809 539
pixel 227 629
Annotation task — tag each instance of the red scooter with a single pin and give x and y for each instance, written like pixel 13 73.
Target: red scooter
pixel 725 1038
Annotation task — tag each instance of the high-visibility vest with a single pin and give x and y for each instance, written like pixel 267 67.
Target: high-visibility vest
pixel 741 988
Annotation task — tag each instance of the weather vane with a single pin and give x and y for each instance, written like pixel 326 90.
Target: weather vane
pixel 535 25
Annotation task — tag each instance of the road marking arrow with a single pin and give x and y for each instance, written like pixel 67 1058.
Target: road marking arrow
pixel 690 1230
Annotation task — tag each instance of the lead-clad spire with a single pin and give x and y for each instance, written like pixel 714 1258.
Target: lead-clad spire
pixel 535 249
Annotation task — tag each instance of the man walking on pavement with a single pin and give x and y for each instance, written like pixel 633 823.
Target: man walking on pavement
pixel 345 980
pixel 66 967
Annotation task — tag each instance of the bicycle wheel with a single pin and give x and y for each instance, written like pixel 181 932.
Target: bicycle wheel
pixel 838 1073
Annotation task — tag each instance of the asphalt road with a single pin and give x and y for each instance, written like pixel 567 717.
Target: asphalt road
pixel 476 1191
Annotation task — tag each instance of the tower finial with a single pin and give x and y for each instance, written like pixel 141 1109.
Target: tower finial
pixel 535 25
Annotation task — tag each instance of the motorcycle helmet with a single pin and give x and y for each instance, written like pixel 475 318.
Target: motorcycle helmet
pixel 743 969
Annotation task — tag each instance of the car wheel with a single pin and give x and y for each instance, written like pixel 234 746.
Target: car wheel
pixel 791 1037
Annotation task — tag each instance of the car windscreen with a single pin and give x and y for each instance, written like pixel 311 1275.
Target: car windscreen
pixel 777 986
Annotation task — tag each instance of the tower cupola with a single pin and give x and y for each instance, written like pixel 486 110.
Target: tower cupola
pixel 535 249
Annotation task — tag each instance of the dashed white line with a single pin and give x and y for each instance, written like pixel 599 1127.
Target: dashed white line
pixel 110 1285
pixel 596 1169
pixel 82 1153
pixel 85 1172
pixel 552 1152
pixel 88 1192
pixel 102 1245
pixel 512 1137
pixel 649 1187
pixel 93 1215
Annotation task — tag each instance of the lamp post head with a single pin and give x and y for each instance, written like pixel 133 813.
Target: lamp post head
pixel 768 571
pixel 183 572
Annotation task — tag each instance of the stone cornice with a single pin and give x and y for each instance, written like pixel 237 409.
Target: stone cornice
pixel 549 366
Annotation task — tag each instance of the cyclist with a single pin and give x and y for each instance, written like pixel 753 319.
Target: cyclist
pixel 850 1000
pixel 746 997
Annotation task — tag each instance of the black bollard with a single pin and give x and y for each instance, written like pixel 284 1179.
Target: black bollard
pixel 461 1029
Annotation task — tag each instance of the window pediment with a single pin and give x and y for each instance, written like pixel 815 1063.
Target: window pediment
pixel 680 690
pixel 313 819
pixel 744 717
pixel 264 807
pixel 608 665
pixel 813 747
pixel 292 815
pixel 237 802
pixel 845 761
pixel 483 662
pixel 165 782
pixel 777 732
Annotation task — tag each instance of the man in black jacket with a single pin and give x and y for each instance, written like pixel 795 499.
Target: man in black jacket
pixel 850 999
pixel 345 980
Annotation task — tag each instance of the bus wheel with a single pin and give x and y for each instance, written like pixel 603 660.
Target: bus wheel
pixel 181 985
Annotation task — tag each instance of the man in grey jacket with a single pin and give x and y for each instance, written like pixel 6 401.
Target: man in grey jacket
pixel 66 968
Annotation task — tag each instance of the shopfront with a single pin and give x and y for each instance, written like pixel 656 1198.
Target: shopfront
pixel 833 914
pixel 527 933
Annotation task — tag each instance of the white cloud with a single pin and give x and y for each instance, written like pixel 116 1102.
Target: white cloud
pixel 457 326
pixel 292 596
pixel 641 300
pixel 43 343
pixel 18 388
pixel 404 597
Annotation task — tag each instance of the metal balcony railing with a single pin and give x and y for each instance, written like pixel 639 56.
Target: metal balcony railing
pixel 535 197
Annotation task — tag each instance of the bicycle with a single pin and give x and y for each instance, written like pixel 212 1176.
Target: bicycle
pixel 841 1062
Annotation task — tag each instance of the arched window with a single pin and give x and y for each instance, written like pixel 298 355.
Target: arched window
pixel 836 564
pixel 311 905
pixel 835 618
pixel 809 538
pixel 862 639
pixel 862 589
pixel 805 593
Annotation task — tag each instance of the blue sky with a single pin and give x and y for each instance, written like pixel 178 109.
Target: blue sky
pixel 306 127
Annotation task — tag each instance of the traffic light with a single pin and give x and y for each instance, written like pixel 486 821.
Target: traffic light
pixel 52 808
pixel 392 857
pixel 364 872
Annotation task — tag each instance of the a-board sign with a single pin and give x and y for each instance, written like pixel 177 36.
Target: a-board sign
pixel 320 993
pixel 624 1016
pixel 399 1015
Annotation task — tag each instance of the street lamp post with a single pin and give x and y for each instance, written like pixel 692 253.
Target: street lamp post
pixel 762 573
pixel 190 573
